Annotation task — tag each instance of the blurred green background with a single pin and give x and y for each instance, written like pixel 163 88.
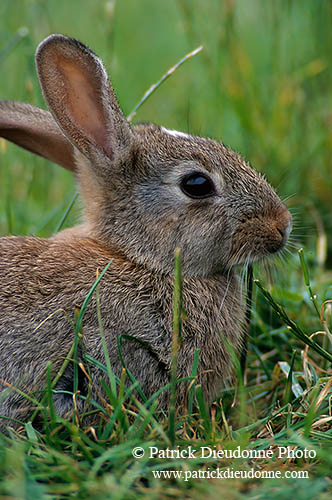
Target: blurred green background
pixel 262 85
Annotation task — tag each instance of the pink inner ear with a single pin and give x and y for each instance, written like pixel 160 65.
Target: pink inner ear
pixel 84 102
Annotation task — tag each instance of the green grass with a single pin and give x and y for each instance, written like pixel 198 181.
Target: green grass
pixel 262 84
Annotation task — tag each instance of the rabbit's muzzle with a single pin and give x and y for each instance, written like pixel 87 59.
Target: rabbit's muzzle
pixel 277 231
pixel 258 236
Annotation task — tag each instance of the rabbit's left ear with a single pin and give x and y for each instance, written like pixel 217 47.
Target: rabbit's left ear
pixel 79 95
pixel 35 130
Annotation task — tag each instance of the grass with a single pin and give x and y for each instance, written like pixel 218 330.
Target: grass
pixel 262 83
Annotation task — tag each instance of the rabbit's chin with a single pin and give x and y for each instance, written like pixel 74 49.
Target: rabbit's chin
pixel 260 253
pixel 265 258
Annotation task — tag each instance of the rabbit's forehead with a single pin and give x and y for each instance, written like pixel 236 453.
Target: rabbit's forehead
pixel 169 147
pixel 175 133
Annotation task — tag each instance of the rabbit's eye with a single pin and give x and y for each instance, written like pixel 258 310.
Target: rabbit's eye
pixel 197 186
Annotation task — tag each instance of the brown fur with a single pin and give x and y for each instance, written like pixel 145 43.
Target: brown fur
pixel 135 214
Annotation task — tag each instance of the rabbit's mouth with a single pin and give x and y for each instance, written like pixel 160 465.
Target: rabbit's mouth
pixel 258 237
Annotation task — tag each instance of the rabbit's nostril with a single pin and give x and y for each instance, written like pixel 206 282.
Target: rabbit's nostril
pixel 284 226
pixel 280 231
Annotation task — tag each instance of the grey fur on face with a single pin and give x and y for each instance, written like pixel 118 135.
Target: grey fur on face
pixel 146 191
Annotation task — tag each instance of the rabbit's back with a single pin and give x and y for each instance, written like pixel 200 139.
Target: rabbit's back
pixel 49 277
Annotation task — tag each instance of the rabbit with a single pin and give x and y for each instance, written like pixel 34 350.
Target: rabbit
pixel 146 191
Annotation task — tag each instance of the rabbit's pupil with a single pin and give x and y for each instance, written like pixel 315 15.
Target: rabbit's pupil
pixel 197 186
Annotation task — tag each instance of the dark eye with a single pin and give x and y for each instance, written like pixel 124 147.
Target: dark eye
pixel 197 186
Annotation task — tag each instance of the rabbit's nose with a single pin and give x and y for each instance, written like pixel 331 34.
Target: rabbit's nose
pixel 284 226
pixel 285 231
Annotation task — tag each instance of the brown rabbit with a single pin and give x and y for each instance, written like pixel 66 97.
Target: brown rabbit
pixel 146 191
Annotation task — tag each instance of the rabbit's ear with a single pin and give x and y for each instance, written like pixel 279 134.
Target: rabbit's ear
pixel 78 92
pixel 35 130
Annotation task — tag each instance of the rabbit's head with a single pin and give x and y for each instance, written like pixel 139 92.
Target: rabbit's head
pixel 196 194
pixel 146 189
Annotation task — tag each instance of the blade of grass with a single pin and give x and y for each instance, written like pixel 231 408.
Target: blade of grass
pixel 261 360
pixel 110 426
pixel 154 87
pixel 203 411
pixel 248 318
pixel 117 407
pixel 130 375
pixel 306 276
pixel 67 211
pixel 292 325
pixel 194 375
pixel 310 417
pixel 176 339
pixel 49 395
pixel 17 38
pixel 289 383
pixel 110 373
pixel 79 323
